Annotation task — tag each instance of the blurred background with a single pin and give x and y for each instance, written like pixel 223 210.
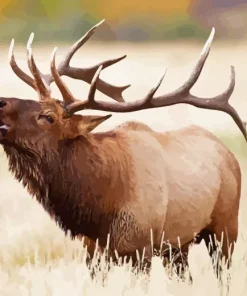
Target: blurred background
pixel 139 20
pixel 126 20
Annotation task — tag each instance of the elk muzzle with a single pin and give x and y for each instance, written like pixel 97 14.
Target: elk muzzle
pixel 3 127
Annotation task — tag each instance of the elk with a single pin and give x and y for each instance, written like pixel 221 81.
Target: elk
pixel 128 180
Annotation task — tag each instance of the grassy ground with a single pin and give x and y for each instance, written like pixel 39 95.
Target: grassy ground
pixel 35 256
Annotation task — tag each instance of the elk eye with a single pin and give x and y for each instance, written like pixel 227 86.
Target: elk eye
pixel 47 117
pixel 2 103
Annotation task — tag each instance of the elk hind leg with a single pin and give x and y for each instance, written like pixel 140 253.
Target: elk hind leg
pixel 228 233
pixel 225 216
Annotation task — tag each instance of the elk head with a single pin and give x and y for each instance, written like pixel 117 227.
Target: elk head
pixel 48 120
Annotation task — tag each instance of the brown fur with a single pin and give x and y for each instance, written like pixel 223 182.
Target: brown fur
pixel 124 181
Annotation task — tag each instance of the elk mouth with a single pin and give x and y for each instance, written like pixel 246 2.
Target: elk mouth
pixel 3 129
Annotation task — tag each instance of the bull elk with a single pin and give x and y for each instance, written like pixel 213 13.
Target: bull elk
pixel 128 180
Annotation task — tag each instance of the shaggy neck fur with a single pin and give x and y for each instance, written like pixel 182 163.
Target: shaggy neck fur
pixel 69 182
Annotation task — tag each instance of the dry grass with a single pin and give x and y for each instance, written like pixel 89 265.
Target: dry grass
pixel 35 256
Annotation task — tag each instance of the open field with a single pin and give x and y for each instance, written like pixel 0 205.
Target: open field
pixel 35 256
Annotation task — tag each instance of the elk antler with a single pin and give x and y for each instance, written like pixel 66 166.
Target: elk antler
pixel 181 95
pixel 42 81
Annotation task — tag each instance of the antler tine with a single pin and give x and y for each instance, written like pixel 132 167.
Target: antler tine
pixel 16 69
pixel 90 102
pixel 42 87
pixel 67 95
pixel 181 95
pixel 220 103
pixel 78 44
pixel 92 90
pixel 152 92
pixel 185 88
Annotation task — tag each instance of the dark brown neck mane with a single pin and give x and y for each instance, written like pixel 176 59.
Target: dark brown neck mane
pixel 71 194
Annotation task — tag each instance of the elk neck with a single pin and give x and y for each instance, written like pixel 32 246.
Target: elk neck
pixel 76 183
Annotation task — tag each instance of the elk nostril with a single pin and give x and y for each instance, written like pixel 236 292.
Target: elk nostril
pixel 2 104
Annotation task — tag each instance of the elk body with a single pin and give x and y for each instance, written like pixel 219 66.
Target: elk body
pixel 128 180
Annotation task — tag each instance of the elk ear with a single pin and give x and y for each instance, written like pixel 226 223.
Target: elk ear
pixel 90 122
